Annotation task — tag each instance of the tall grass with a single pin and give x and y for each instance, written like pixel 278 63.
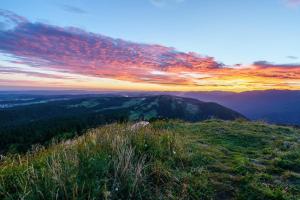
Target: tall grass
pixel 213 159
pixel 111 162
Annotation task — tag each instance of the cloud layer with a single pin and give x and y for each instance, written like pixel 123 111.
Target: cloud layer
pixel 72 50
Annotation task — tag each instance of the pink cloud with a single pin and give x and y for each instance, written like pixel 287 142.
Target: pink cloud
pixel 76 51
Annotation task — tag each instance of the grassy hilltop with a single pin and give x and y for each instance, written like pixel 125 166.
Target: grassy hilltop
pixel 213 159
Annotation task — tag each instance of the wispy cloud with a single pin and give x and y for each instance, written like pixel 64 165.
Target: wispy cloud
pixel 9 19
pixel 293 57
pixel 72 50
pixel 164 3
pixel 293 3
pixel 73 9
pixel 9 70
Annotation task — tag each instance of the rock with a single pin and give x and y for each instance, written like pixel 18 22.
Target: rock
pixel 2 157
pixel 139 125
pixel 68 142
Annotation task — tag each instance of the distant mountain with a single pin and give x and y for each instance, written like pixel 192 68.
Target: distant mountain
pixel 113 107
pixel 25 121
pixel 276 106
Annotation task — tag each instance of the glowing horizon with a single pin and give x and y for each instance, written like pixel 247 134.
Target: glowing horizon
pixel 47 56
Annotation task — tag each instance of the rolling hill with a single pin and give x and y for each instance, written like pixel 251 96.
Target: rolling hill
pixel 40 120
pixel 274 106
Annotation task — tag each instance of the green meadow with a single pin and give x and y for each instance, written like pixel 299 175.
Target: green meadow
pixel 213 159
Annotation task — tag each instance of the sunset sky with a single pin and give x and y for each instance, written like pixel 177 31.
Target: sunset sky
pixel 169 45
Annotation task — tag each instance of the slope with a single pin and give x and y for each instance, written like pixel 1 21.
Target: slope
pixel 213 159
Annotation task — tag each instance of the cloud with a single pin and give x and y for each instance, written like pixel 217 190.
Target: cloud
pixel 266 64
pixel 9 20
pixel 282 72
pixel 292 3
pixel 73 9
pixel 293 57
pixel 164 3
pixel 75 51
pixel 12 70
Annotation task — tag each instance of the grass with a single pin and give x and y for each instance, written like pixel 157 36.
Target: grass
pixel 169 160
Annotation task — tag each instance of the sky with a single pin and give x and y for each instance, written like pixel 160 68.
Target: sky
pixel 172 45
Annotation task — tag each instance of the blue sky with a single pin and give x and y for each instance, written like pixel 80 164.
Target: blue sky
pixel 232 31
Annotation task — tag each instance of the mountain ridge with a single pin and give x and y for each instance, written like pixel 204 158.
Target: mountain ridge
pixel 273 106
pixel 22 126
